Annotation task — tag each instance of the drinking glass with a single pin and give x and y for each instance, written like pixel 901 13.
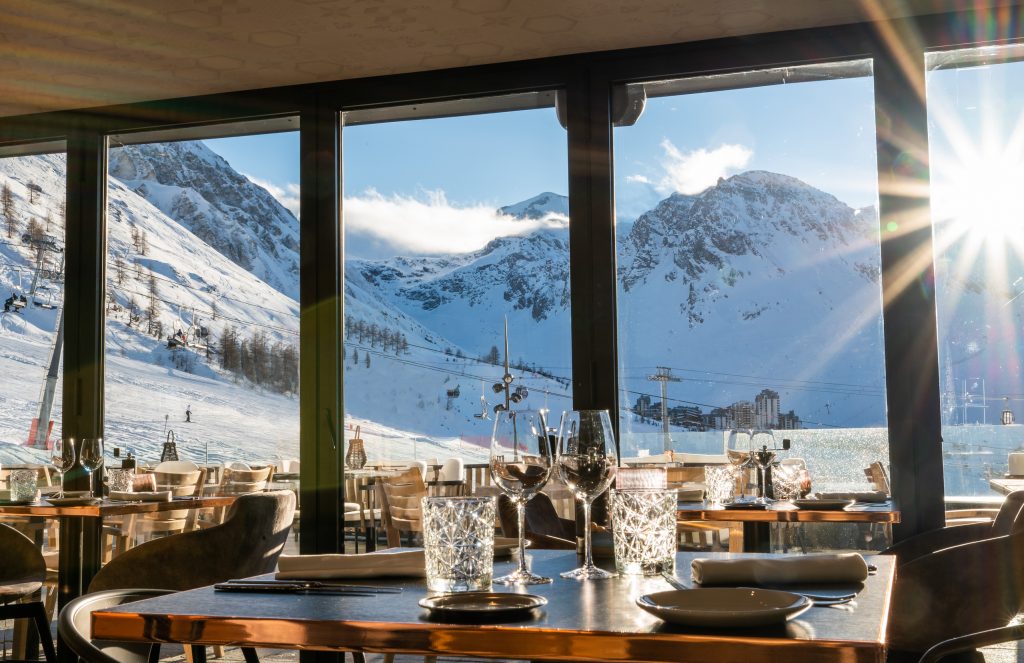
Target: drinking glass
pixel 785 483
pixel 24 485
pixel 739 448
pixel 91 456
pixel 644 531
pixel 719 484
pixel 458 543
pixel 521 463
pixel 587 465
pixel 62 457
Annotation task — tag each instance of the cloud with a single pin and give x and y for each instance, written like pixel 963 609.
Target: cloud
pixel 431 225
pixel 692 172
pixel 287 196
pixel 638 179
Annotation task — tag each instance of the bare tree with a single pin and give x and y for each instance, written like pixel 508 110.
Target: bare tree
pixel 9 210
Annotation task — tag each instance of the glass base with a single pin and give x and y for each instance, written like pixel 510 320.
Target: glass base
pixel 521 578
pixel 588 573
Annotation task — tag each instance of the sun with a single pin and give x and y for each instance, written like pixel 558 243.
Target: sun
pixel 985 198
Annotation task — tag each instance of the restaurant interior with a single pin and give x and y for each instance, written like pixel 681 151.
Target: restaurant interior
pixel 646 330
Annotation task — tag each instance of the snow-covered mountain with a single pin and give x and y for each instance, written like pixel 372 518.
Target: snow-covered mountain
pixel 201 191
pixel 539 207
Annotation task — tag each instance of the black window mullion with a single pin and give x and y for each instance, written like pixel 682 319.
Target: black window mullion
pixel 320 400
pixel 911 360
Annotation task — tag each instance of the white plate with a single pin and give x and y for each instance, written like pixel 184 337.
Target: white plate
pixel 728 607
pixel 822 505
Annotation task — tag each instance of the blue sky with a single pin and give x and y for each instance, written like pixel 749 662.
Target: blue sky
pixel 821 132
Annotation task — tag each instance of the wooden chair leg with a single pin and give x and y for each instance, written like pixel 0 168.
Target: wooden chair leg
pixel 43 625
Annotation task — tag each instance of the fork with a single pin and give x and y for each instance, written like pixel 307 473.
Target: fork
pixel 818 599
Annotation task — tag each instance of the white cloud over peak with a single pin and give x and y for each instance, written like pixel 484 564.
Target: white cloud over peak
pixel 429 224
pixel 692 172
pixel 287 196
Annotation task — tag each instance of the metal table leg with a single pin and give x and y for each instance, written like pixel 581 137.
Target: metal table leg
pixel 79 560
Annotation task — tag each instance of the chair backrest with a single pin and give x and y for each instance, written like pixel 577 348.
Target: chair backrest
pixel 541 520
pixel 241 482
pixel 248 543
pixel 956 591
pixel 399 498
pixel 1011 514
pixel 176 467
pixel 74 625
pixel 451 470
pixel 477 475
pixel 878 476
pixel 22 561
pixel 420 465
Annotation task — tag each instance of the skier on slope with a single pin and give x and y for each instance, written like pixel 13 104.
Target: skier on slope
pixel 188 413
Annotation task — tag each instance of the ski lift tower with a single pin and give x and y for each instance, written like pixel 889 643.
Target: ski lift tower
pixel 664 376
pixel 974 388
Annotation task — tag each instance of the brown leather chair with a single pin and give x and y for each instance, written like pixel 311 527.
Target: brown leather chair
pixel 544 528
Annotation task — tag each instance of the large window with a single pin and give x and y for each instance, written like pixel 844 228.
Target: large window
pixel 32 214
pixel 456 222
pixel 749 266
pixel 202 299
pixel 976 141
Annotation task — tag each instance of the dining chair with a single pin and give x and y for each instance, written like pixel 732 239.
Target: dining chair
pixel 399 497
pixel 74 627
pixel 544 528
pixel 969 644
pixel 952 593
pixel 248 543
pixel 22 574
pixel 165 523
pixel 1009 516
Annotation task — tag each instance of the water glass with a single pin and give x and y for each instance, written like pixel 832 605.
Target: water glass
pixel 644 531
pixel 24 485
pixel 121 480
pixel 719 484
pixel 785 484
pixel 458 541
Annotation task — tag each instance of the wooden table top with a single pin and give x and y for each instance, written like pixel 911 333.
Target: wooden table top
pixel 583 621
pixel 114 507
pixel 881 512
pixel 1006 486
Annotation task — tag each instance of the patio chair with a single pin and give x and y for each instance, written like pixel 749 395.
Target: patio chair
pixel 22 574
pixel 544 529
pixel 399 497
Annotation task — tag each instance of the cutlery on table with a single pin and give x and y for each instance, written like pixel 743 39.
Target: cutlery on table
pixel 818 599
pixel 304 586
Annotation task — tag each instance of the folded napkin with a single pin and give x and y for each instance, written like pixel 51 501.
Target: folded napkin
pixel 393 562
pixel 158 496
pixel 860 496
pixel 845 567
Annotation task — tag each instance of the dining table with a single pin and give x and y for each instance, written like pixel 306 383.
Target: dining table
pixel 594 620
pixel 1006 485
pixel 757 522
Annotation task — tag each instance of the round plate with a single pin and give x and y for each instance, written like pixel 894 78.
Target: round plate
pixel 823 505
pixel 724 607
pixel 73 501
pixel 17 502
pixel 482 604
pixel 751 506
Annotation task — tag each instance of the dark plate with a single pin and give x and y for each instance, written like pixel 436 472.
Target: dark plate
pixel 487 606
pixel 749 506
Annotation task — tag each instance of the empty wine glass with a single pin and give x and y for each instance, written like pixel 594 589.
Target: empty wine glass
pixel 521 464
pixel 62 457
pixel 587 465
pixel 741 455
pixel 91 456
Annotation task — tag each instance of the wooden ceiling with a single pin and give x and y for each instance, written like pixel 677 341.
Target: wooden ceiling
pixel 64 54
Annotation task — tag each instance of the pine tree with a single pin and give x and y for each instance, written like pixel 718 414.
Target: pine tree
pixel 119 270
pixel 153 308
pixel 9 210
pixel 367 359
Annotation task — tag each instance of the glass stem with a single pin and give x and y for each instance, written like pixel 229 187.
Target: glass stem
pixel 588 561
pixel 521 521
pixel 60 474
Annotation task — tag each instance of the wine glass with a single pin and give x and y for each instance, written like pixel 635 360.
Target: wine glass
pixel 521 463
pixel 62 457
pixel 587 465
pixel 741 459
pixel 91 456
pixel 762 445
